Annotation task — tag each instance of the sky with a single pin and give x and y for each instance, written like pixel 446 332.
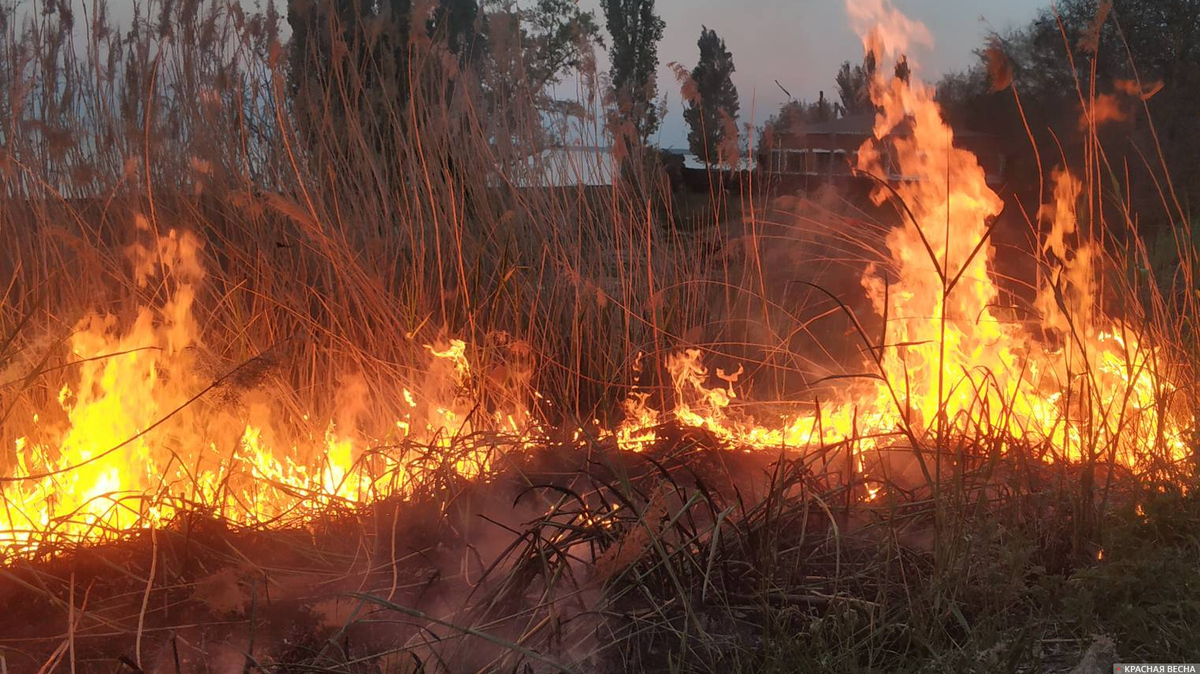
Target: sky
pixel 801 43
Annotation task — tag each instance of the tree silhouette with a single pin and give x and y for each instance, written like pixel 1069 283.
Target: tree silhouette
pixel 712 114
pixel 1138 55
pixel 854 86
pixel 636 31
pixel 351 58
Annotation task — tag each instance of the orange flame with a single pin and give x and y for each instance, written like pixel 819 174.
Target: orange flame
pixel 951 363
pixel 126 454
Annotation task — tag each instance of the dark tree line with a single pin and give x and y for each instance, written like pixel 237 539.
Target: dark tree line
pixel 344 49
pixel 362 72
pixel 355 65
pixel 1132 62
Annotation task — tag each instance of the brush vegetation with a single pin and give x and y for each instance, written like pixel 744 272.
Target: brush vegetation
pixel 345 226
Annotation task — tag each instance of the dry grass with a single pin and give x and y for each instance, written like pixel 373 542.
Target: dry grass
pixel 341 238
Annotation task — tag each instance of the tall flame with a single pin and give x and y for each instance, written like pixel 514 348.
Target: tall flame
pixel 950 363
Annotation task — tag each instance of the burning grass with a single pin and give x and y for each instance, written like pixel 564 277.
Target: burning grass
pixel 683 556
pixel 294 403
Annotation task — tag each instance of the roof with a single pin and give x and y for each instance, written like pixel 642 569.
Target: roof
pixel 864 125
pixel 857 125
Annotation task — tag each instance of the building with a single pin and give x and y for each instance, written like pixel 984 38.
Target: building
pixel 828 151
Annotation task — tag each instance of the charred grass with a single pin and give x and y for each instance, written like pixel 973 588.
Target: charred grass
pixel 685 558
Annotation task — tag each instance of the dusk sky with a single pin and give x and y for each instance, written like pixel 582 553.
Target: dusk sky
pixel 802 42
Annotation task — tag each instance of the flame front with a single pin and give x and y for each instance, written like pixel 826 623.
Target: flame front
pixel 133 442
pixel 950 365
pixel 136 442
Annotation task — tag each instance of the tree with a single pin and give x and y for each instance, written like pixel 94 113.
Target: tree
pixel 350 57
pixel 557 34
pixel 374 37
pixel 1137 56
pixel 636 31
pixel 903 71
pixel 854 86
pixel 821 111
pixel 794 117
pixel 536 46
pixel 713 111
pixel 454 23
pixel 350 71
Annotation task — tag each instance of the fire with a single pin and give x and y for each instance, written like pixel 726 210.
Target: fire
pixel 950 363
pixel 134 440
